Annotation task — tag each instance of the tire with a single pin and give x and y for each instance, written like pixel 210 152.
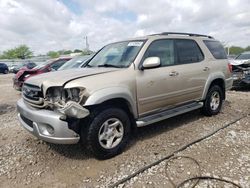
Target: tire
pixel 213 102
pixel 6 71
pixel 108 132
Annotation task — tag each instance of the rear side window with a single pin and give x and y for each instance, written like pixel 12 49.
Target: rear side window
pixel 216 49
pixel 188 51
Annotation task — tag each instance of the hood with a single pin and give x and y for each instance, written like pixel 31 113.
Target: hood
pixel 24 71
pixel 236 62
pixel 59 78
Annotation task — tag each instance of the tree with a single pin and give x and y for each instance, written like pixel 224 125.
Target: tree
pixel 21 52
pixel 67 52
pixel 236 50
pixel 53 54
pixel 87 52
pixel 77 51
pixel 247 48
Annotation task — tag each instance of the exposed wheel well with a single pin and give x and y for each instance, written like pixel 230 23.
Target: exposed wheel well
pixel 116 102
pixel 220 82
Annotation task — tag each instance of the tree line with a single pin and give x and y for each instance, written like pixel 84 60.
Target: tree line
pixel 24 52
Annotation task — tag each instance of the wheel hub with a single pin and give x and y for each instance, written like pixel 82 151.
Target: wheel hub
pixel 111 133
pixel 215 100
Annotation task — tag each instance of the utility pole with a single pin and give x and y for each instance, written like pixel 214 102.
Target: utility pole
pixel 86 43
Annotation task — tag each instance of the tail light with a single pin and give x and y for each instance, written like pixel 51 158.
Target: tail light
pixel 230 67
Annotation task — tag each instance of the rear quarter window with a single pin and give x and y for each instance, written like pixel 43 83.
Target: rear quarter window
pixel 216 49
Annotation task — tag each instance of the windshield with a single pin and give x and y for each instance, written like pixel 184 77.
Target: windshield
pixel 42 64
pixel 243 56
pixel 119 55
pixel 74 63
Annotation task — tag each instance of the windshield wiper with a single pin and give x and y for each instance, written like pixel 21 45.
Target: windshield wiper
pixel 110 65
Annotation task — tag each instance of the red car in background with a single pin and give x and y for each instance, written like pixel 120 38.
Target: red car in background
pixel 25 73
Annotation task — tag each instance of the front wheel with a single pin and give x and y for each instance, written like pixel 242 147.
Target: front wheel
pixel 213 102
pixel 109 132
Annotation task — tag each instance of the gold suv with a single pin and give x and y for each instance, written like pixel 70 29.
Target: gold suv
pixel 125 85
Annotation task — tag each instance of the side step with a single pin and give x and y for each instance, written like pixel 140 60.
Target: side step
pixel 167 114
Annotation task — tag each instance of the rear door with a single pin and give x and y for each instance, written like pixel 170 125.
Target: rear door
pixel 192 69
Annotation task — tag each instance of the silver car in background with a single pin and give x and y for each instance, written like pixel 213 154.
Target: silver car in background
pixel 76 62
pixel 241 70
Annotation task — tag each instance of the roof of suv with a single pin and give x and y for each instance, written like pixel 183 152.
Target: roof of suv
pixel 176 34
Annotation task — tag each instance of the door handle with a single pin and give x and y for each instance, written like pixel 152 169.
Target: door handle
pixel 206 69
pixel 173 73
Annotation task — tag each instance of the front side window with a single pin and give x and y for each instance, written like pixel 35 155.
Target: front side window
pixel 119 55
pixel 188 51
pixel 216 49
pixel 164 49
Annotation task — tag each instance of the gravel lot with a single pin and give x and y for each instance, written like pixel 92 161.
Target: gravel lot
pixel 28 162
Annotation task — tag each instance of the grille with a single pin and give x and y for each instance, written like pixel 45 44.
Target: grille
pixel 27 121
pixel 32 92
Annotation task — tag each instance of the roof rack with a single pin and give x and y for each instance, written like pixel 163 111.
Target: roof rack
pixel 189 34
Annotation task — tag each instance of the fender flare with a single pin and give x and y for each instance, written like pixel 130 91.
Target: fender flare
pixel 211 78
pixel 110 93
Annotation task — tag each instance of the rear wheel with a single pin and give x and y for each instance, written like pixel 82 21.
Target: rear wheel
pixel 6 71
pixel 213 102
pixel 108 132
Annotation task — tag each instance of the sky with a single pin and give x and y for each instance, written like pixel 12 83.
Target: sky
pixel 63 24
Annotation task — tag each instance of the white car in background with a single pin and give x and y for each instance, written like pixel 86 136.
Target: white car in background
pixel 241 69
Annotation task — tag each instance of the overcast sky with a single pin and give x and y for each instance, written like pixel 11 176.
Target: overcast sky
pixel 46 25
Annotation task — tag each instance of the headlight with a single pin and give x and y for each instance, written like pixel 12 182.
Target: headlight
pixel 27 75
pixel 63 95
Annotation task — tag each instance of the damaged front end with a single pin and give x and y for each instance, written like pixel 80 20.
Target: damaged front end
pixel 68 101
pixel 241 74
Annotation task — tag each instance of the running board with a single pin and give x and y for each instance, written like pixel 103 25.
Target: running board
pixel 167 114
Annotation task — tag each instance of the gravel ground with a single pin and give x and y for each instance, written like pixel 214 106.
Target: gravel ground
pixel 28 162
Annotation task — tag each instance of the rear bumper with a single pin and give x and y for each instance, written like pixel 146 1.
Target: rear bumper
pixel 46 125
pixel 228 83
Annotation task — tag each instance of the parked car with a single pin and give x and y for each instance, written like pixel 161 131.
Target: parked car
pixel 241 70
pixel 25 73
pixel 76 62
pixel 4 68
pixel 126 85
pixel 16 67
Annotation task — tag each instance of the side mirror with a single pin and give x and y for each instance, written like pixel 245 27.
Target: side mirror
pixel 151 62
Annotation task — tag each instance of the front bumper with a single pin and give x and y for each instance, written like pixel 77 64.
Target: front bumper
pixel 17 84
pixel 46 125
pixel 241 79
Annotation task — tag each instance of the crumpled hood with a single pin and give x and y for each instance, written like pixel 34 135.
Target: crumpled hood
pixel 59 78
pixel 236 62
pixel 24 70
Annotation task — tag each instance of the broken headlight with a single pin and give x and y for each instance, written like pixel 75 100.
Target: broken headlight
pixel 60 95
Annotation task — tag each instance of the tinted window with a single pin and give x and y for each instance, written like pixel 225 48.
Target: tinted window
pixel 216 49
pixel 58 64
pixel 188 51
pixel 164 49
pixel 243 56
